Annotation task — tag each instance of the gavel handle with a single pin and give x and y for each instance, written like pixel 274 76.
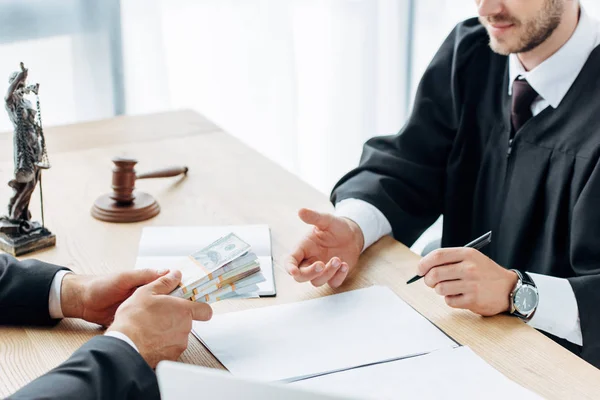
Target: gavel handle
pixel 164 173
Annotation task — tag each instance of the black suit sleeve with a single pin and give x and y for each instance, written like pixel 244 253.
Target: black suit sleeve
pixel 585 261
pixel 24 291
pixel 103 368
pixel 404 175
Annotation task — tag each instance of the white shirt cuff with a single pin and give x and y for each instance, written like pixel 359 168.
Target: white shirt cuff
pixel 123 337
pixel 557 312
pixel 54 298
pixel 373 224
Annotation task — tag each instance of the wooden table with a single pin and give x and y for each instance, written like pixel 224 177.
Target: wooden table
pixel 229 183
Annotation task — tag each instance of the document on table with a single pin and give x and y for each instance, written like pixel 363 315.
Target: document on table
pixel 300 340
pixel 443 374
pixel 164 247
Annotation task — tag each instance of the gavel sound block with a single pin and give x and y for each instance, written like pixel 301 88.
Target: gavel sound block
pixel 125 204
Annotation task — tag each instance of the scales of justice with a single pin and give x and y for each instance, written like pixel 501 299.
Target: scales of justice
pixel 18 233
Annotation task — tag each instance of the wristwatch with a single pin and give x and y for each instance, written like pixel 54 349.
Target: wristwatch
pixel 524 297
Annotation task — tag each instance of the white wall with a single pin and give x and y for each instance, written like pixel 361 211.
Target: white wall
pixel 305 82
pixel 66 46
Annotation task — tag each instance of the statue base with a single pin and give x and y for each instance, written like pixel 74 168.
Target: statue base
pixel 16 240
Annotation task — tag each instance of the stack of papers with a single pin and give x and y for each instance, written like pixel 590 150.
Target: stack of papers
pixel 178 248
pixel 444 374
pixel 365 343
pixel 300 340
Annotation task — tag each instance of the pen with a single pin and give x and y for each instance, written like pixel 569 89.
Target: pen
pixel 476 244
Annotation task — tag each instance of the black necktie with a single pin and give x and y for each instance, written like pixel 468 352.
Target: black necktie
pixel 523 96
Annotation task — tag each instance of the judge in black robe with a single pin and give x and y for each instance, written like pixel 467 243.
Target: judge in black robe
pixel 541 199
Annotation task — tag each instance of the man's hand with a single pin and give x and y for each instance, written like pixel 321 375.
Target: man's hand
pixel 468 279
pixel 157 323
pixel 96 298
pixel 328 252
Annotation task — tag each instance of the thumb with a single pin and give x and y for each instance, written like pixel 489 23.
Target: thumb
pixel 166 284
pixel 311 217
pixel 201 311
pixel 139 277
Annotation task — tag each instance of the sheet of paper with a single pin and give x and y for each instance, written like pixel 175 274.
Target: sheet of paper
pixel 163 247
pixel 293 341
pixel 444 374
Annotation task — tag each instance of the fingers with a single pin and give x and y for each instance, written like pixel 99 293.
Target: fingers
pixel 439 257
pixel 339 276
pixel 292 263
pixel 311 272
pixel 304 256
pixel 166 284
pixel 140 277
pixel 198 311
pixel 331 269
pixel 443 273
pixel 458 301
pixel 452 288
pixel 311 217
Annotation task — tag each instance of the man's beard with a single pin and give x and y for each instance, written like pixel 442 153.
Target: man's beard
pixel 534 31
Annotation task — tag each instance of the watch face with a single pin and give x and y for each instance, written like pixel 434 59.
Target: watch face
pixel 526 299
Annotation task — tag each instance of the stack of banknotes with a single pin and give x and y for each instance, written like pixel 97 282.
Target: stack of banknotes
pixel 225 269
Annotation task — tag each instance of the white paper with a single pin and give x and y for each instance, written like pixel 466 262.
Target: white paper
pixel 178 381
pixel 309 338
pixel 164 247
pixel 444 374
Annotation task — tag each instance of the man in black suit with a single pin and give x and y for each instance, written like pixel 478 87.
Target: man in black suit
pixel 145 326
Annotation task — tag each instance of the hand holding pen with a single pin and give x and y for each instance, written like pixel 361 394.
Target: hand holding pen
pixel 468 279
pixel 476 244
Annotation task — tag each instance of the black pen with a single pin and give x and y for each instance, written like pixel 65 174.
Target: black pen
pixel 476 244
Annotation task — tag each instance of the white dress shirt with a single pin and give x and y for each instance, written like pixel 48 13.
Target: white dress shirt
pixel 557 311
pixel 56 309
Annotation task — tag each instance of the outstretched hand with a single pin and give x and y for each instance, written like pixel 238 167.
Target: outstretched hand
pixel 328 252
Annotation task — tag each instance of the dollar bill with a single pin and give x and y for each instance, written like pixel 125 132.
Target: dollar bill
pixel 252 289
pixel 189 268
pixel 225 279
pixel 221 252
pixel 240 287
pixel 209 263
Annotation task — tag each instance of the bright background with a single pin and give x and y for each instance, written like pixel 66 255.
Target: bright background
pixel 305 82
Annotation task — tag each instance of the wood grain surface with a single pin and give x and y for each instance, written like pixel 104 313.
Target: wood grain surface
pixel 228 183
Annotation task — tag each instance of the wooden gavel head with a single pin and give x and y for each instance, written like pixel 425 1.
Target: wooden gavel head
pixel 123 180
pixel 125 204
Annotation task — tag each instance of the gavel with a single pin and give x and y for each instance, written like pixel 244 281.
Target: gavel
pixel 125 204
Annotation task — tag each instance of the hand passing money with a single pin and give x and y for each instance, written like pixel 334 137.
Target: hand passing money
pixel 224 269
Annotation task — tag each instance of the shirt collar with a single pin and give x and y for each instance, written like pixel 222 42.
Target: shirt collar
pixel 553 78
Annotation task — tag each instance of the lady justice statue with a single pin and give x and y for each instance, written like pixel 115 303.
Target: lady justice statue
pixel 18 234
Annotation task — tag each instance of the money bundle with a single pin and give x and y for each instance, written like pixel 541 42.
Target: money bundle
pixel 225 269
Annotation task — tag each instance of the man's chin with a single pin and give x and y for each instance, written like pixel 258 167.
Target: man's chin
pixel 501 48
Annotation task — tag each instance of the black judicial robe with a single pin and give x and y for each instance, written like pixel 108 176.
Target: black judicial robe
pixel 541 201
